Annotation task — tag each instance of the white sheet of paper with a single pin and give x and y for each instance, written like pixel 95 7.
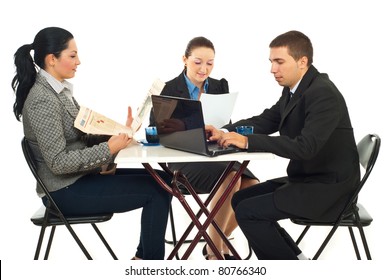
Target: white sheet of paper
pixel 218 108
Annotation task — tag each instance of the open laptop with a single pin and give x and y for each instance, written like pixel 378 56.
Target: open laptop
pixel 180 126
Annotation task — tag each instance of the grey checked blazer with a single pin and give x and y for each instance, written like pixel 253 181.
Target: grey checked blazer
pixel 63 153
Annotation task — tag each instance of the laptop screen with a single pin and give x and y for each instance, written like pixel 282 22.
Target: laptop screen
pixel 180 123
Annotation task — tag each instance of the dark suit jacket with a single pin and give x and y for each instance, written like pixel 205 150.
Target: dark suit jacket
pixel 315 133
pixel 178 88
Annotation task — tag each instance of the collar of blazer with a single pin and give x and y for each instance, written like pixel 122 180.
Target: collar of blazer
pixel 71 107
pixel 306 81
pixel 214 86
pixel 182 87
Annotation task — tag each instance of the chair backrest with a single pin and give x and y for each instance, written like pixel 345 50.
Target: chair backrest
pixel 368 149
pixel 28 155
pixel 31 162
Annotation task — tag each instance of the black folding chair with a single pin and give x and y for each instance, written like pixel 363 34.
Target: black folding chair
pixel 354 214
pixel 52 215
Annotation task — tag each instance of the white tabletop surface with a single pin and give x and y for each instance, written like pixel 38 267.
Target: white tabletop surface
pixel 138 153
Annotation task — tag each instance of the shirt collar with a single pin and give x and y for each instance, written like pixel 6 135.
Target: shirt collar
pixel 194 90
pixel 293 90
pixel 55 84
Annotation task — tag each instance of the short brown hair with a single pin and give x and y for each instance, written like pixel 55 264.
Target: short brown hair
pixel 298 45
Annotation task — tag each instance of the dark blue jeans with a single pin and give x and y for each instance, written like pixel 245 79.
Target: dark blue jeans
pixel 127 190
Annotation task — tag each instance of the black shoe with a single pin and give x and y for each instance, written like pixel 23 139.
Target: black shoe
pixel 229 257
pixel 205 253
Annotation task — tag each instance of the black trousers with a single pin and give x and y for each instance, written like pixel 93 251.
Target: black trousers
pixel 258 218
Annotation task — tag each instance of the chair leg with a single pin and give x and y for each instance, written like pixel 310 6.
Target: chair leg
pixel 302 234
pixel 173 227
pixel 104 241
pixel 330 234
pixel 174 236
pixel 48 247
pixel 75 237
pixel 354 241
pixel 364 242
pixel 82 247
pixel 40 240
pixel 362 234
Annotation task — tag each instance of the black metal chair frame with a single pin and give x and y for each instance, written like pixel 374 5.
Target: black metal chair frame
pixel 54 217
pixel 354 214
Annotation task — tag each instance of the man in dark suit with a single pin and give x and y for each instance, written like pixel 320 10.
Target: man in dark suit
pixel 315 133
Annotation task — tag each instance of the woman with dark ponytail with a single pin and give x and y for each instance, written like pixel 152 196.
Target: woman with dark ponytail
pixel 69 161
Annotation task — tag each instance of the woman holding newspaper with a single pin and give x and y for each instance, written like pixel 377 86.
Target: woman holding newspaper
pixel 192 83
pixel 70 161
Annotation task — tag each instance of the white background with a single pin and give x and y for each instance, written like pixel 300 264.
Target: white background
pixel 125 45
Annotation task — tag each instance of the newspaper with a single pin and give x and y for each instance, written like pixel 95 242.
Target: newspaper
pixel 92 122
pixel 145 107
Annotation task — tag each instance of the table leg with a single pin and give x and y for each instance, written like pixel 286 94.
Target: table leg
pixel 178 178
pixel 211 215
pixel 219 204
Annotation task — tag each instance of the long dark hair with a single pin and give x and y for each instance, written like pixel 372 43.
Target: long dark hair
pixel 50 40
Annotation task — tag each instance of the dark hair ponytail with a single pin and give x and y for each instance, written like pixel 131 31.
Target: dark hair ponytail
pixel 24 78
pixel 50 40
